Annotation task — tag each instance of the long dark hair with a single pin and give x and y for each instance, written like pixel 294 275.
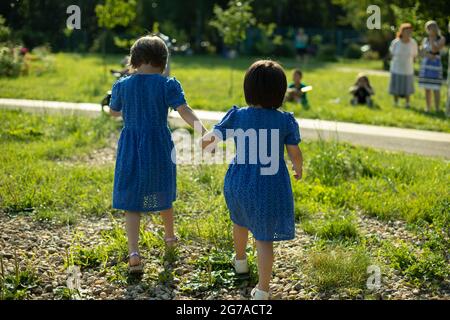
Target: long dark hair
pixel 365 77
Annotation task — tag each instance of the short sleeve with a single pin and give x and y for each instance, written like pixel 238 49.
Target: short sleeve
pixel 174 94
pixel 116 98
pixel 227 122
pixel 293 131
pixel 392 46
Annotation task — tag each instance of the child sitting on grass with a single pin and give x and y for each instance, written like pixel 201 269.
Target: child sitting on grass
pixel 260 201
pixel 145 175
pixel 362 91
pixel 294 91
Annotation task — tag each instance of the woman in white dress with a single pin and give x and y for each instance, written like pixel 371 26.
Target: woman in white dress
pixel 403 50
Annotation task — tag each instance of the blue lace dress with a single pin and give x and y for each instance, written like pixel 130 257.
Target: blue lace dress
pixel 259 200
pixel 145 175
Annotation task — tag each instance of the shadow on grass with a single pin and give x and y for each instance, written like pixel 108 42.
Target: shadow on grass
pixel 432 114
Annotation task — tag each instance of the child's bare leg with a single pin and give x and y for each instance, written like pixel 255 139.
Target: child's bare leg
pixel 396 100
pixel 407 101
pixel 167 217
pixel 428 99
pixel 437 99
pixel 265 263
pixel 132 222
pixel 240 237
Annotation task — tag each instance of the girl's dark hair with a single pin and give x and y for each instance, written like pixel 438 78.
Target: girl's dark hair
pixel 365 77
pixel 149 50
pixel 265 84
pixel 299 72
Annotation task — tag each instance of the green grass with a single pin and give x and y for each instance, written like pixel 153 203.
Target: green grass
pixel 206 81
pixel 17 284
pixel 339 269
pixel 44 175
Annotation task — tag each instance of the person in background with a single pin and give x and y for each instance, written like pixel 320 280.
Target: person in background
pixel 362 91
pixel 430 77
pixel 447 111
pixel 294 91
pixel 403 50
pixel 301 45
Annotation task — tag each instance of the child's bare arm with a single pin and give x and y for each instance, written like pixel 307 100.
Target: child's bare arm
pixel 114 113
pixel 296 156
pixel 188 115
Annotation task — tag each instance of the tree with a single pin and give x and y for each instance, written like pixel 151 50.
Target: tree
pixel 111 14
pixel 232 24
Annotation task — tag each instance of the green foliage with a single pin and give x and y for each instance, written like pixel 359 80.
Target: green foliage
pixel 5 31
pixel 424 267
pixel 18 284
pixel 232 23
pixel 11 63
pixel 353 51
pixel 335 164
pixel 116 13
pixel 335 227
pixel 412 14
pixel 337 268
pixel 327 52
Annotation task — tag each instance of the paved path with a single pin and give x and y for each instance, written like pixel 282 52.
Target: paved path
pixel 389 138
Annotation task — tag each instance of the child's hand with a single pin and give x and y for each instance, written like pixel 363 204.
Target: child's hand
pixel 298 175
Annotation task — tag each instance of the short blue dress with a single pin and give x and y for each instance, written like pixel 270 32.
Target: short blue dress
pixel 145 174
pixel 262 203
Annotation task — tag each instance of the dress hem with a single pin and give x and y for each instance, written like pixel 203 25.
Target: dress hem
pixel 264 239
pixel 141 209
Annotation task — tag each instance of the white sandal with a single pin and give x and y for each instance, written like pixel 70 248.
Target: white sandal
pixel 240 266
pixel 257 294
pixel 137 269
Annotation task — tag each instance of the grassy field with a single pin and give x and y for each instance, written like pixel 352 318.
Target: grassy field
pixel 206 81
pixel 348 197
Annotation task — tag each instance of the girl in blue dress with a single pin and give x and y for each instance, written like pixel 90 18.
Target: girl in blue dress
pixel 257 186
pixel 145 172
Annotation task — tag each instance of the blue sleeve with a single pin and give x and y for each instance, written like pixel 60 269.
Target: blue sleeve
pixel 227 122
pixel 116 98
pixel 174 94
pixel 293 131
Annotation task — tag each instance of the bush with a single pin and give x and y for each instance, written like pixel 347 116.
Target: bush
pixel 285 49
pixel 327 53
pixel 353 51
pixel 371 55
pixel 10 62
pixel 5 32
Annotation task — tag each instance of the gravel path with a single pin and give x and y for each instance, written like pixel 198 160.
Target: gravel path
pixel 44 247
